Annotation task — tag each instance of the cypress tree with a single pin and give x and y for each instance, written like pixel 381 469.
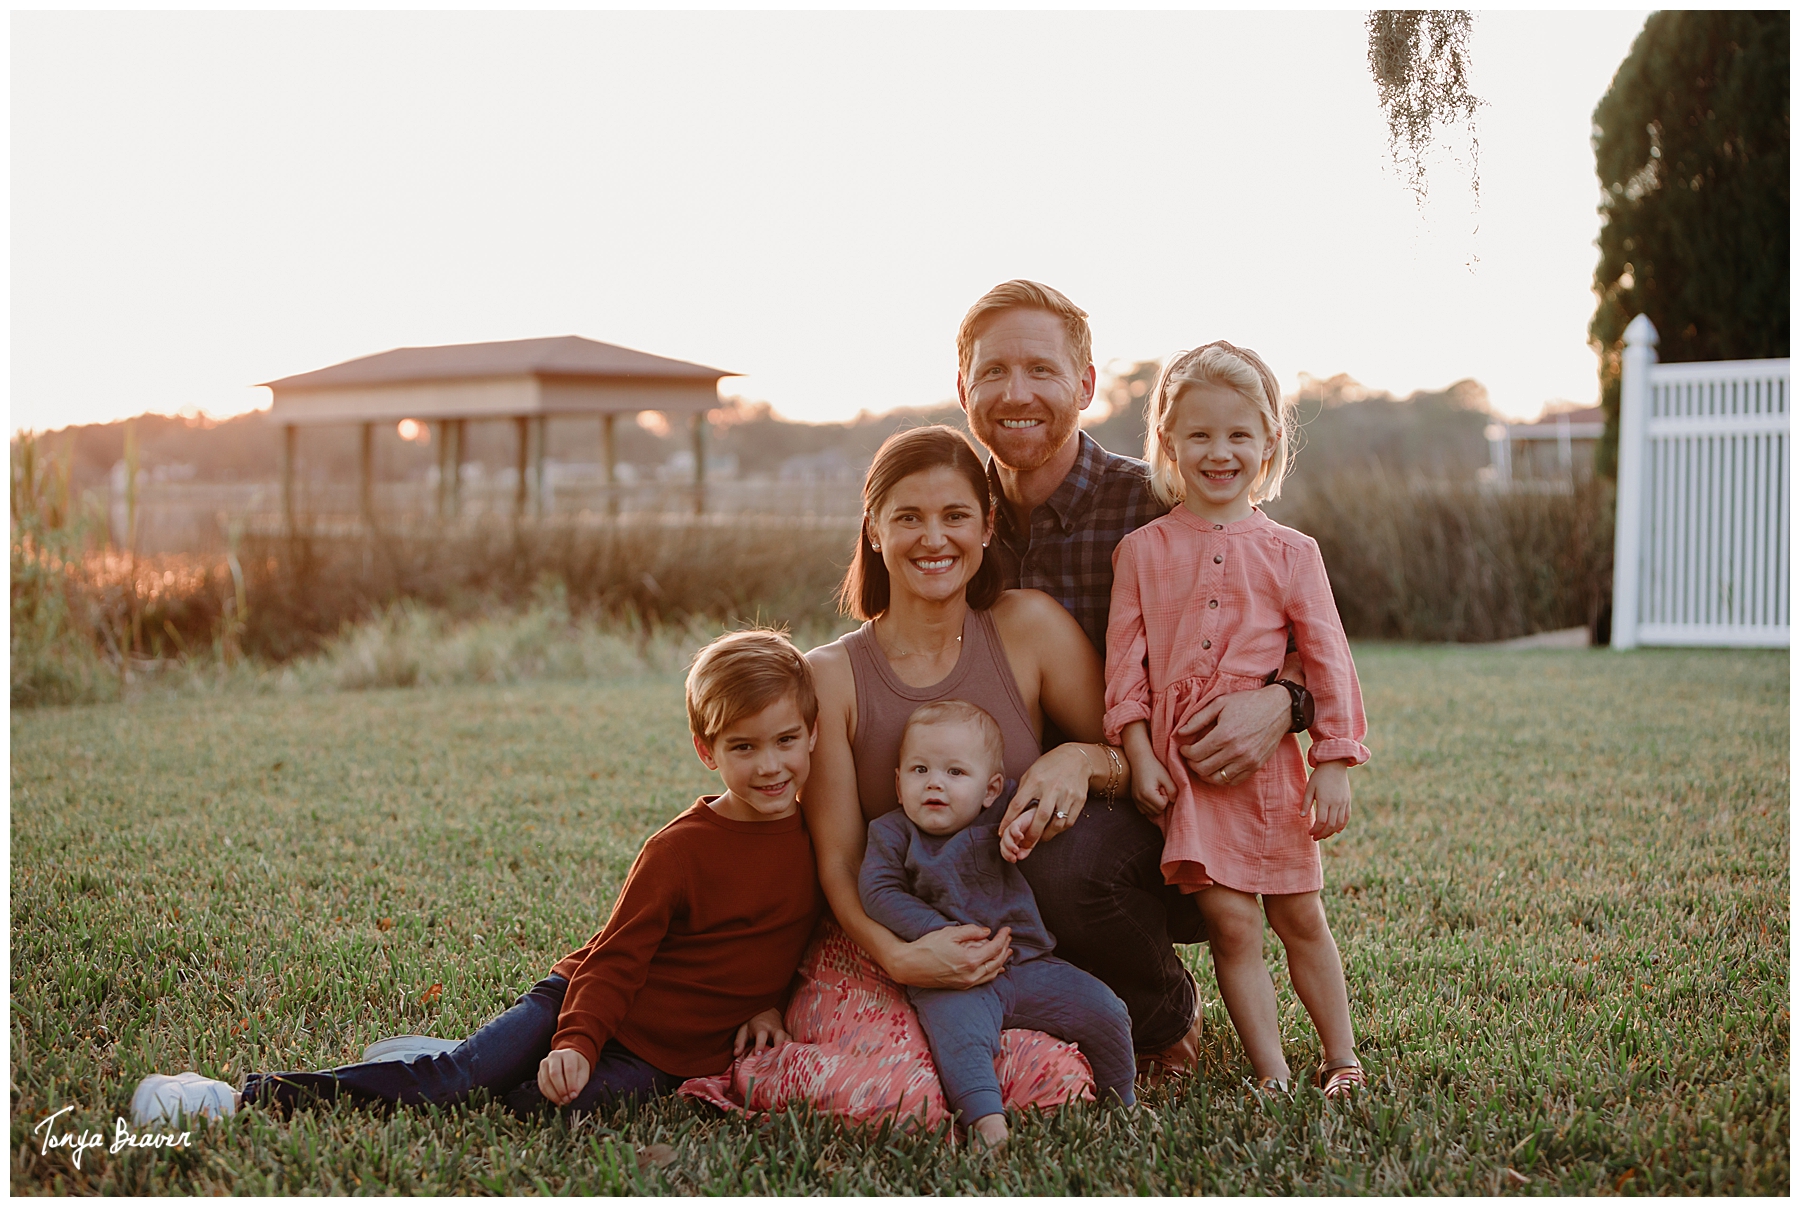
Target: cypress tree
pixel 1691 146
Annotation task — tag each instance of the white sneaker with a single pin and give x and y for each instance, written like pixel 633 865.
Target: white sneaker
pixel 162 1099
pixel 405 1047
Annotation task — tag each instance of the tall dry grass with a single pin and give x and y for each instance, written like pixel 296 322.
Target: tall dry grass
pixel 1422 561
pixel 492 603
pixel 302 593
pixel 52 654
pixel 87 618
pixel 499 602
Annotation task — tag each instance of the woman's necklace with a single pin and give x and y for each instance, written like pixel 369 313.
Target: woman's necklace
pixel 893 653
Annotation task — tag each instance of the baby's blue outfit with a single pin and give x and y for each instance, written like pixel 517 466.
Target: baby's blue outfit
pixel 914 883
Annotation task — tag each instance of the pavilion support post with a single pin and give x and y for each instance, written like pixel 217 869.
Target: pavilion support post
pixel 540 429
pixel 443 465
pixel 366 476
pixel 522 492
pixel 609 457
pixel 290 439
pixel 459 429
pixel 698 426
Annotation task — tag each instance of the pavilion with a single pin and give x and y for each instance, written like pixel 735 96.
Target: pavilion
pixel 524 380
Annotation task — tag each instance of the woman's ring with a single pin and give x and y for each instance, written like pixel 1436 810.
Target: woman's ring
pixel 1224 775
pixel 1061 815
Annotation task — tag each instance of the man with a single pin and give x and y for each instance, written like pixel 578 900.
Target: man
pixel 1025 373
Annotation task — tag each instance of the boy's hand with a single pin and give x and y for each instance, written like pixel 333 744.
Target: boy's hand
pixel 1015 841
pixel 562 1075
pixel 1049 799
pixel 1328 799
pixel 765 1027
pixel 1152 788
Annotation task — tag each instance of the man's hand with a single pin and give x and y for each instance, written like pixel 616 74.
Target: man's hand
pixel 1152 788
pixel 1235 734
pixel 765 1027
pixel 1049 798
pixel 1328 798
pixel 562 1075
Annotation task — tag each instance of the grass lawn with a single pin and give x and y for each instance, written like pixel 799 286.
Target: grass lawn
pixel 1562 899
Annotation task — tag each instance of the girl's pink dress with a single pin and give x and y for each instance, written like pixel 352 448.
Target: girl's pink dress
pixel 859 1053
pixel 1201 609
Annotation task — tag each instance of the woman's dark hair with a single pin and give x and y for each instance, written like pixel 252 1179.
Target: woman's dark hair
pixel 864 592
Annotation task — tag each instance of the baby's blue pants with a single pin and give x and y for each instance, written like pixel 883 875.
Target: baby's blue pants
pixel 1044 994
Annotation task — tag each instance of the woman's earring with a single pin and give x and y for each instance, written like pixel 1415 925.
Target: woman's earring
pixel 874 546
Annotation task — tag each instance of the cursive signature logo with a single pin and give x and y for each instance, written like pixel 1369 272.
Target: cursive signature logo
pixel 124 1138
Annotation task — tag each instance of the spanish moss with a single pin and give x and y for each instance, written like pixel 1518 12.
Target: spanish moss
pixel 1420 61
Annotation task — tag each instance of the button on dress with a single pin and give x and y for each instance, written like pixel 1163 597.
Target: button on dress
pixel 1200 610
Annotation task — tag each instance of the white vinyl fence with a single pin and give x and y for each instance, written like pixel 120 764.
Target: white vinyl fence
pixel 1701 544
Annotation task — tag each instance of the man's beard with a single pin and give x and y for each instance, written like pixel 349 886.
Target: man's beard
pixel 1040 445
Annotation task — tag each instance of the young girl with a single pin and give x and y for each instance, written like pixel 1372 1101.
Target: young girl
pixel 1204 600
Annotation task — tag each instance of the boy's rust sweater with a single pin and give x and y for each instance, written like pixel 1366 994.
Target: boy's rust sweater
pixel 707 931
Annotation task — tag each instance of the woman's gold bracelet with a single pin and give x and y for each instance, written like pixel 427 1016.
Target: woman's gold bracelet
pixel 1118 772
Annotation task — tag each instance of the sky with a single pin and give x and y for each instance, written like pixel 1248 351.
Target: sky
pixel 202 201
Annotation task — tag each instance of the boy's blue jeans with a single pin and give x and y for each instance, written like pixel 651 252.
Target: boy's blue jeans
pixel 1044 994
pixel 501 1058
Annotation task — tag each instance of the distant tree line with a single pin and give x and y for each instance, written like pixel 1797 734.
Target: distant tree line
pixel 1344 426
pixel 247 447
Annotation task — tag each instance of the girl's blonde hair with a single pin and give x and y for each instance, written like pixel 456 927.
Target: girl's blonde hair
pixel 1234 368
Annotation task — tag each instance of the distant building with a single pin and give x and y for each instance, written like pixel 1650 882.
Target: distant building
pixel 523 381
pixel 1555 450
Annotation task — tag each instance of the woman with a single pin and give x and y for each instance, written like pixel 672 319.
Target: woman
pixel 939 627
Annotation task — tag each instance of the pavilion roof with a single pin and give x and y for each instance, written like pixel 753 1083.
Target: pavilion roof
pixel 1576 415
pixel 554 356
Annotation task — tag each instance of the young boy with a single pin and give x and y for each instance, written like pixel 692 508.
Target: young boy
pixel 693 965
pixel 935 863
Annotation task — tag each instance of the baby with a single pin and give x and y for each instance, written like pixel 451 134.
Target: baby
pixel 936 863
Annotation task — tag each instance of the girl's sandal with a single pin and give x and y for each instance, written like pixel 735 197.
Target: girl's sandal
pixel 1340 1078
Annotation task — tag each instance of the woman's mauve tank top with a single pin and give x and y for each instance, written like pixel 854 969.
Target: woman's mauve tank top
pixel 883 703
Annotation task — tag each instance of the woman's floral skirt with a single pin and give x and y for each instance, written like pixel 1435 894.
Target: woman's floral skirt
pixel 859 1053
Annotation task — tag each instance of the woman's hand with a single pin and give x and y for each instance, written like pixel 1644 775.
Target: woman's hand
pixel 562 1075
pixel 956 957
pixel 1328 798
pixel 1057 784
pixel 763 1028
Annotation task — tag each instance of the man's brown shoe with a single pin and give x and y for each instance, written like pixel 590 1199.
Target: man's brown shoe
pixel 1179 1059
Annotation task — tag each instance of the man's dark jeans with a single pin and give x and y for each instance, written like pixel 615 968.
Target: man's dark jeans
pixel 1100 889
pixel 501 1058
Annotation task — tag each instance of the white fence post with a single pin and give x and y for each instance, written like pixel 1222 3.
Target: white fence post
pixel 1628 522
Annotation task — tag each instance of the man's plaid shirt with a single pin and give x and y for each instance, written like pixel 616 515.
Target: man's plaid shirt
pixel 1067 552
